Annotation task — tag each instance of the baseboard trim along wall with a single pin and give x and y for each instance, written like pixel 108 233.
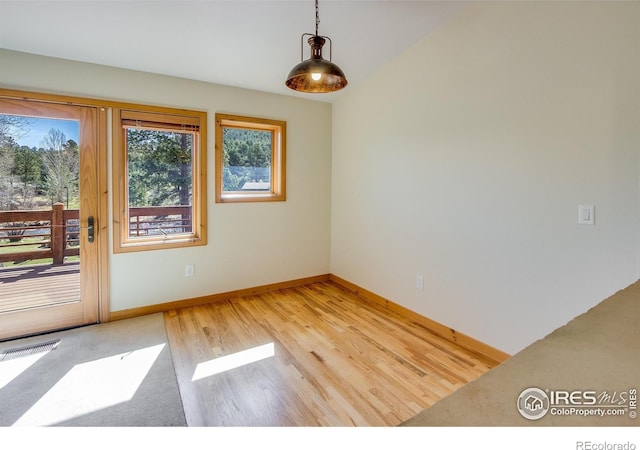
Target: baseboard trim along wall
pixel 163 307
pixel 365 295
pixel 441 330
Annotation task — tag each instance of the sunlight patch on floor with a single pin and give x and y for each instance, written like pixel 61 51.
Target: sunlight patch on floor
pixel 239 359
pixel 92 386
pixel 12 368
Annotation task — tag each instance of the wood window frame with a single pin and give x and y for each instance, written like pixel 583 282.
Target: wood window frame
pixel 151 117
pixel 277 191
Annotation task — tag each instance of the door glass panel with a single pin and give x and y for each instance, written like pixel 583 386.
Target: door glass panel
pixel 39 212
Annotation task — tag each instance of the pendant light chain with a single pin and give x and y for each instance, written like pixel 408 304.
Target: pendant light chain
pixel 317 17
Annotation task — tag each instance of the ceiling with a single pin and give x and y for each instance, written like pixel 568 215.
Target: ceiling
pixel 245 43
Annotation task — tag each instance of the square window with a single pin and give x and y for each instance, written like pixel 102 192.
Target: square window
pixel 250 159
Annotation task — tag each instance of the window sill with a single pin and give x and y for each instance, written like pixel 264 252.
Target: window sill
pixel 253 197
pixel 156 244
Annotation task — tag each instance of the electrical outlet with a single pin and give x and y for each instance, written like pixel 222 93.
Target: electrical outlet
pixel 419 282
pixel 189 270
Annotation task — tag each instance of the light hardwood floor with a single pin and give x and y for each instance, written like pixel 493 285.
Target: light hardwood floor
pixel 337 361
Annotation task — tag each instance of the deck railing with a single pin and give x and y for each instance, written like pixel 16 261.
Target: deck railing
pixel 32 235
pixel 156 220
pixel 55 233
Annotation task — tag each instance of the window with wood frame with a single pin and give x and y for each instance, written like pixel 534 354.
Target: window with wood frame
pixel 250 159
pixel 159 161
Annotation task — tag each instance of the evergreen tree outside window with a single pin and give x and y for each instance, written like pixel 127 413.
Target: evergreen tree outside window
pixel 250 159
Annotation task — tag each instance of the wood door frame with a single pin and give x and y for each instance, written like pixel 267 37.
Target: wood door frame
pixel 100 133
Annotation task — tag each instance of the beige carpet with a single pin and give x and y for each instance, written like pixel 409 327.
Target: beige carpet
pixel 597 353
pixel 116 374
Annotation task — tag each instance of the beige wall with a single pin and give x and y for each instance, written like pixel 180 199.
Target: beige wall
pixel 464 160
pixel 249 244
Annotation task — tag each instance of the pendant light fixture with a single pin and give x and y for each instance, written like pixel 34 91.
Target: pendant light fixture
pixel 316 74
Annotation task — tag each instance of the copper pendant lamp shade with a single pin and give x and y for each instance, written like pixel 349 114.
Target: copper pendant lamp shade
pixel 316 74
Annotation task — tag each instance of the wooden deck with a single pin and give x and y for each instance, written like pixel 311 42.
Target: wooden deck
pixel 40 285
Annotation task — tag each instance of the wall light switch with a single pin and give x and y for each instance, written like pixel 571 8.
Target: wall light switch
pixel 419 282
pixel 586 214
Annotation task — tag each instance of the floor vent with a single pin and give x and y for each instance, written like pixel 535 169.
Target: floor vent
pixel 20 352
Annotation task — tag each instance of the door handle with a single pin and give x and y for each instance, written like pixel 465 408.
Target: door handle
pixel 90 229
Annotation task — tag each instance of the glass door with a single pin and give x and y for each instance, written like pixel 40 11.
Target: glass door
pixel 49 266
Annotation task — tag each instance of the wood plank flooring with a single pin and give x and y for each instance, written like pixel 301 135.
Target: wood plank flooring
pixel 332 360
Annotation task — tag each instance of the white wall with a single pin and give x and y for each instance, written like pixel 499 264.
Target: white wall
pixel 250 244
pixel 464 161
